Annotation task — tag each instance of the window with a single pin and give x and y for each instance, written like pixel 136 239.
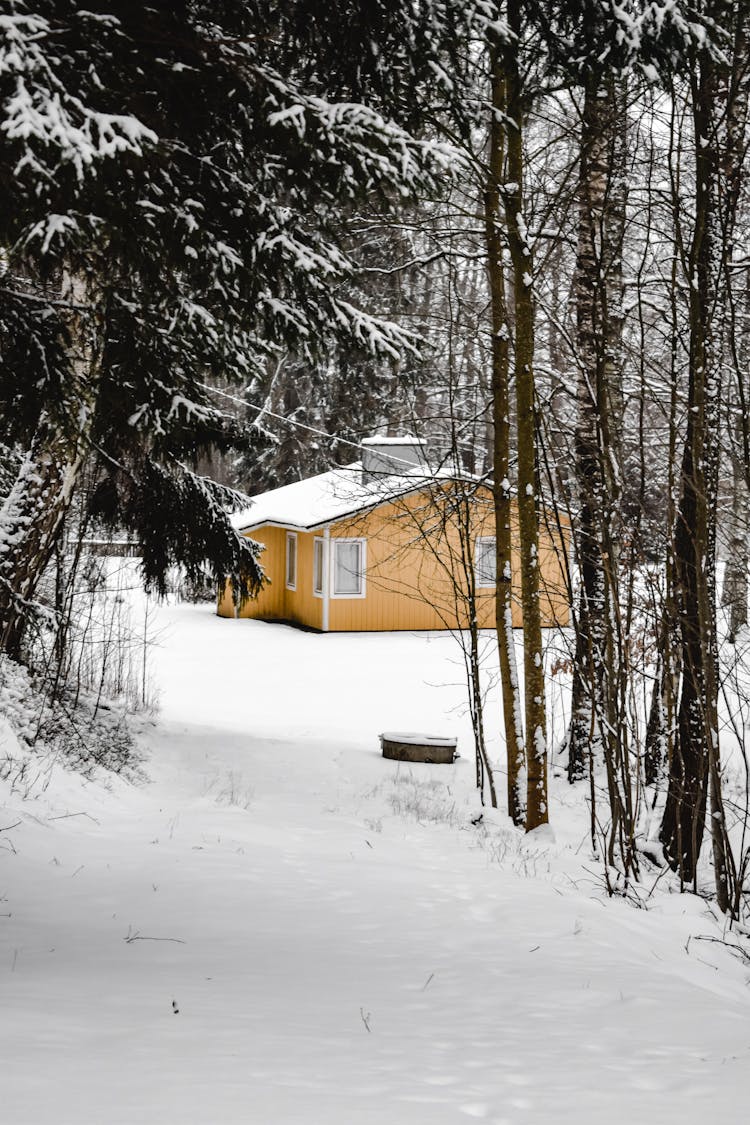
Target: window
pixel 348 568
pixel 485 560
pixel 318 567
pixel 291 560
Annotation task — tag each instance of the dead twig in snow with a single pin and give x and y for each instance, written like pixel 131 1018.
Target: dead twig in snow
pixel 365 1017
pixel 664 871
pixel 67 815
pixel 8 827
pixel 132 936
pixel 743 953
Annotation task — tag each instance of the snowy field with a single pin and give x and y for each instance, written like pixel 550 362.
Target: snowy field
pixel 279 926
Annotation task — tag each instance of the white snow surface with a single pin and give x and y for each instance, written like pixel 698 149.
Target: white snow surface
pixel 341 943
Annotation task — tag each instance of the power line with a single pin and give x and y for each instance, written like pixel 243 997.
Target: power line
pixel 279 417
pixel 300 425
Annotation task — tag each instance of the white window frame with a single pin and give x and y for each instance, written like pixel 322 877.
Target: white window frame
pixel 319 544
pixel 291 537
pixel 362 572
pixel 481 582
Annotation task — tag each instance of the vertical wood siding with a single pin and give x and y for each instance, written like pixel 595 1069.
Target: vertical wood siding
pixel 414 562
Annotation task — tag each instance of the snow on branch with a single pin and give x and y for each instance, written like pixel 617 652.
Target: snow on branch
pixel 357 138
pixel 53 125
pixel 379 336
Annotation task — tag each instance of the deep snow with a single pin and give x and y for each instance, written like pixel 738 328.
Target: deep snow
pixel 341 943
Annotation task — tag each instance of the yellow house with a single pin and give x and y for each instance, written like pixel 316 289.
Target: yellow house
pixel 386 544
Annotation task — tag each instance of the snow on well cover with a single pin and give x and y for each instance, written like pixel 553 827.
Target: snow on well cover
pixel 409 738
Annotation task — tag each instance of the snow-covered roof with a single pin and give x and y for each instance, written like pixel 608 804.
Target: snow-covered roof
pixel 328 497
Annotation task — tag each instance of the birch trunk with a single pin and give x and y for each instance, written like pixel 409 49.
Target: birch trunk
pixel 598 728
pixel 33 514
pixel 598 300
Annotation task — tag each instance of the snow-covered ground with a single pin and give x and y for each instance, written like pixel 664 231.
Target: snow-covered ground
pixel 282 927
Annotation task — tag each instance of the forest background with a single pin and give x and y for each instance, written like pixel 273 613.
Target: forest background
pixel 236 240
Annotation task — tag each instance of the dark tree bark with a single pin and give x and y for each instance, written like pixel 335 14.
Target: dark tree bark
pixel 598 299
pixel 719 106
pixel 537 807
pixel 598 728
pixel 493 211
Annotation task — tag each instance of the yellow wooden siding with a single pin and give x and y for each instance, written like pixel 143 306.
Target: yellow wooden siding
pixel 413 561
pixel 410 561
pixel 275 602
pixel 555 595
pixel 270 601
pixel 302 606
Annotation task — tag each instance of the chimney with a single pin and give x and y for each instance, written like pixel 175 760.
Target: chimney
pixel 391 456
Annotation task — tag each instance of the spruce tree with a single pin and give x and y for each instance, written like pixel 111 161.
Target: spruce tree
pixel 172 179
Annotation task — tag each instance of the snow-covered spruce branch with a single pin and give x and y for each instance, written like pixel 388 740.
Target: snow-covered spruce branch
pixel 56 126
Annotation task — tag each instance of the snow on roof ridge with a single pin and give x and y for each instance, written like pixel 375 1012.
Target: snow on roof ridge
pixel 330 496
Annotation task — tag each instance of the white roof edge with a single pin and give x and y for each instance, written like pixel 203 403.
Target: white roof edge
pixel 272 523
pixel 359 509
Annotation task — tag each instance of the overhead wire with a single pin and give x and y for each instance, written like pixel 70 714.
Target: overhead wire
pixel 264 410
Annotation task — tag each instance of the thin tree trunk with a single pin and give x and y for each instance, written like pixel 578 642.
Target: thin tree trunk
pixel 695 757
pixel 660 728
pixel 513 723
pixel 734 592
pixel 598 728
pixel 537 808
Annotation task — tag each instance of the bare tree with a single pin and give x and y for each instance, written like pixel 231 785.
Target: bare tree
pixel 718 93
pixel 501 403
pixel 522 270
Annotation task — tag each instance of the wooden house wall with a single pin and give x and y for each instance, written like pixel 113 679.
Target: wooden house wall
pixel 413 560
pixel 275 602
pixel 413 557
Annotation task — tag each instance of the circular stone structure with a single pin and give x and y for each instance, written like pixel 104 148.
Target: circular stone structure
pixel 409 747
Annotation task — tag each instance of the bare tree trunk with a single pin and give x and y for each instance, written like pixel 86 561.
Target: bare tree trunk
pixel 537 808
pixel 598 298
pixel 660 728
pixel 598 728
pixel 33 514
pixel 512 719
pixel 584 738
pixel 719 114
